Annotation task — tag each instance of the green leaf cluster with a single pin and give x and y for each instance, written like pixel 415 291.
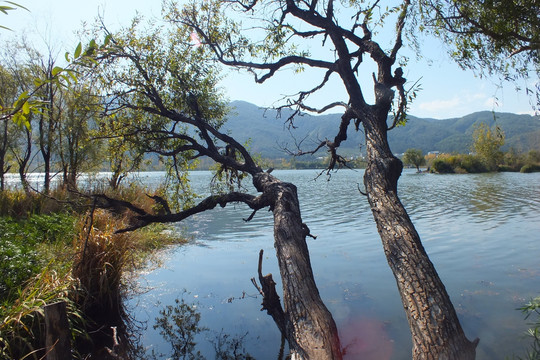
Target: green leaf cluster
pixel 149 76
pixel 29 101
pixel 491 37
pixel 487 144
pixel 414 157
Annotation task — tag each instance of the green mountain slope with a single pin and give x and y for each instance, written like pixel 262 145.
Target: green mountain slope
pixel 272 137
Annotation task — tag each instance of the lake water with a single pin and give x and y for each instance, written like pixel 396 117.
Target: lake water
pixel 481 231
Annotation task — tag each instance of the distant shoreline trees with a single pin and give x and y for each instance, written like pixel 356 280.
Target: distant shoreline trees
pixel 414 157
pixel 485 156
pixel 471 164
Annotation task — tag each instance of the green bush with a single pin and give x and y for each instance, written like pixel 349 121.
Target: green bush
pixel 533 157
pixel 441 166
pixel 529 168
pixel 461 164
pixel 17 264
pixel 506 168
pixel 472 164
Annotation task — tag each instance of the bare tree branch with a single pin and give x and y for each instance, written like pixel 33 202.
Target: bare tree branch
pixel 144 218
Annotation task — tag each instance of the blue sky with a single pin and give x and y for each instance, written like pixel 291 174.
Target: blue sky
pixel 447 91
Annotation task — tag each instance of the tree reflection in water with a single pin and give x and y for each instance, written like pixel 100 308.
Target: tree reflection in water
pixel 178 324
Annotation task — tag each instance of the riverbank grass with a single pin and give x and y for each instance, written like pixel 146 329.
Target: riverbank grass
pixel 69 256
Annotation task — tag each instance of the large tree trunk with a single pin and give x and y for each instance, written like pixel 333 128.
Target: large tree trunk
pixel 436 331
pixel 307 324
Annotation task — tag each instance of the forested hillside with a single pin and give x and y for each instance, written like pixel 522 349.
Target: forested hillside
pixel 270 135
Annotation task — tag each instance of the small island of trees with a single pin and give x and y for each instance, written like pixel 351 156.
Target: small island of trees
pixel 485 156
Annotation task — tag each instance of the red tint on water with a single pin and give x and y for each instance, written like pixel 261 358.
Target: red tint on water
pixel 366 339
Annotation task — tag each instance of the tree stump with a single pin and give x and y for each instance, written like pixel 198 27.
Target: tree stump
pixel 57 340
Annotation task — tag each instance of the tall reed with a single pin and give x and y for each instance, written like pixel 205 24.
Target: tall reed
pixel 100 260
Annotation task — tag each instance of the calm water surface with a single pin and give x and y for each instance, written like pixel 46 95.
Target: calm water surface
pixel 481 231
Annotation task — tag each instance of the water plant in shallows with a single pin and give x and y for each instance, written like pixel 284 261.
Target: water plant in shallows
pixel 532 309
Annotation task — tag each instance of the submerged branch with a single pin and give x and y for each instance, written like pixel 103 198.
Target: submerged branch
pixel 271 302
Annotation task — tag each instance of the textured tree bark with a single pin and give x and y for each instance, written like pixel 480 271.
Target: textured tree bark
pixel 308 325
pixel 435 328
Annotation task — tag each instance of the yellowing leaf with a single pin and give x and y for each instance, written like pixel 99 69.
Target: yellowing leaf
pixel 73 75
pixel 78 51
pixel 26 108
pixel 21 119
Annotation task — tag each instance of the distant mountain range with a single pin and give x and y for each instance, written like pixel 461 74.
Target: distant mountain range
pixel 269 136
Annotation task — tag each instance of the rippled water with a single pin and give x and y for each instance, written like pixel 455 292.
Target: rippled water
pixel 481 231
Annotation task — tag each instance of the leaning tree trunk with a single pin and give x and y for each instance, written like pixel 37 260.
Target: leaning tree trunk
pixel 307 324
pixel 436 331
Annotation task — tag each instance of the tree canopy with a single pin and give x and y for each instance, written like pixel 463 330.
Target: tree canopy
pixel 414 157
pixel 494 37
pixel 487 144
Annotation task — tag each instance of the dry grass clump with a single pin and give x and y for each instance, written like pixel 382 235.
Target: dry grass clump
pixel 19 204
pixel 100 261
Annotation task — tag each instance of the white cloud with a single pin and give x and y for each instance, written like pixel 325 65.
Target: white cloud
pixel 493 103
pixel 439 105
pixel 458 105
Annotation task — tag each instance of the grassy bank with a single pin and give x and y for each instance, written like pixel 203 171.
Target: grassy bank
pixel 63 251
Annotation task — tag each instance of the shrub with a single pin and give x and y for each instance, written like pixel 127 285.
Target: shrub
pixel 472 164
pixel 529 168
pixel 441 166
pixel 58 227
pixel 506 168
pixel 533 156
pixel 17 203
pixel 101 258
pixel 18 262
